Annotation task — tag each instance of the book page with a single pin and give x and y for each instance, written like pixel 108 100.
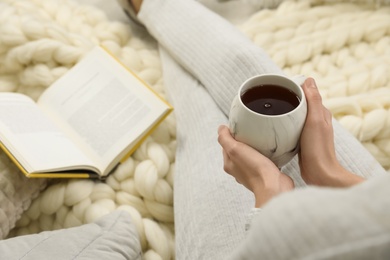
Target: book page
pixel 102 106
pixel 29 135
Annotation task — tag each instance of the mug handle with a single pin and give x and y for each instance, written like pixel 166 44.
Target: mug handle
pixel 299 79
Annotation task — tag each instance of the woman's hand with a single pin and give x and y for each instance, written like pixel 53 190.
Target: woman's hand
pixel 251 169
pixel 317 157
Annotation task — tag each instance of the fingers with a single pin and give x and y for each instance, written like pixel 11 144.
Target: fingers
pixel 227 142
pixel 233 151
pixel 225 139
pixel 226 161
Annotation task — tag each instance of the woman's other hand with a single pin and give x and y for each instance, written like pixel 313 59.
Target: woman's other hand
pixel 251 169
pixel 317 157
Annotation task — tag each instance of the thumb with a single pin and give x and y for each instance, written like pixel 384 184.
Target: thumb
pixel 313 98
pixel 225 139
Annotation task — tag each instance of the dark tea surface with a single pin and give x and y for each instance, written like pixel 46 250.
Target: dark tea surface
pixel 270 99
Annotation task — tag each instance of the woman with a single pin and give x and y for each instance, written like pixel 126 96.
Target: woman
pixel 205 60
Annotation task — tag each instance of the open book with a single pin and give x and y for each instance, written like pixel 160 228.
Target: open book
pixel 84 124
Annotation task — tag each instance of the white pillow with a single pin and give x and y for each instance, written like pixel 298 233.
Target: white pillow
pixel 112 237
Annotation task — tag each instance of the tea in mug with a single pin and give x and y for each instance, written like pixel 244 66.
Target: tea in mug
pixel 270 99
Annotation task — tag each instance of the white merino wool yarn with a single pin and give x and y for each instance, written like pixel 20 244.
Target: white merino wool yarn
pixel 40 41
pixel 344 46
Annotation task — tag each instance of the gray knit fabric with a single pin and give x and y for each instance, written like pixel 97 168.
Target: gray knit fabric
pixel 205 59
pixel 315 223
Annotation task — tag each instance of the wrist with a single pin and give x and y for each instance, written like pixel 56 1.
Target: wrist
pixel 272 186
pixel 344 178
pixel 263 196
pixel 338 176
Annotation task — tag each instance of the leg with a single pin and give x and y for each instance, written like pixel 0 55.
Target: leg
pixel 206 45
pixel 210 207
pixel 221 58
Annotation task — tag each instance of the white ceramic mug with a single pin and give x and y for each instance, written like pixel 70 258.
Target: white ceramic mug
pixel 274 136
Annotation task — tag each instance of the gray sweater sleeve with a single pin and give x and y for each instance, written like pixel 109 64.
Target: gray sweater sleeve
pixel 249 218
pixel 323 223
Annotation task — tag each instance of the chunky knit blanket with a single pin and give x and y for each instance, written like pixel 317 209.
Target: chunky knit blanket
pixel 345 47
